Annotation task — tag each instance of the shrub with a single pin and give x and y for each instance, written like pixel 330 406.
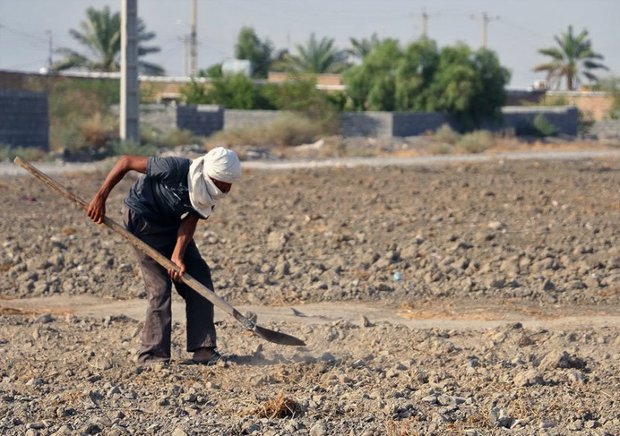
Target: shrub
pixel 232 91
pixel 193 93
pixel 97 130
pixel 585 123
pixel 168 139
pixel 8 153
pixel 447 135
pixel 543 126
pixel 118 148
pixel 79 111
pixel 554 100
pixel 294 95
pixel 475 142
pixel 288 129
pixel 441 148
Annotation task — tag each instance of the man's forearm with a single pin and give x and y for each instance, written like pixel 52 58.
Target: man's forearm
pixel 96 207
pixel 184 236
pixel 116 174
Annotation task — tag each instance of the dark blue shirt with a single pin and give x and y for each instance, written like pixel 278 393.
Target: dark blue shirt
pixel 161 196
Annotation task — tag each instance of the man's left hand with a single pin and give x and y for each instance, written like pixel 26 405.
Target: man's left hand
pixel 177 274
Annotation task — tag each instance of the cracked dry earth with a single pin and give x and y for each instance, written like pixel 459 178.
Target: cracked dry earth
pixel 446 299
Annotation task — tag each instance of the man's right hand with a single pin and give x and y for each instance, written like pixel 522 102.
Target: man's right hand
pixel 96 209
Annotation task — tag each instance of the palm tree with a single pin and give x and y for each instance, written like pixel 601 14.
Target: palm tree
pixel 318 56
pixel 101 34
pixel 571 58
pixel 361 47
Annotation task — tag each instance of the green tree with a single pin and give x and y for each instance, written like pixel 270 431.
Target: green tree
pixel 301 96
pixel 100 33
pixel 233 91
pixel 250 47
pixel 414 75
pixel 317 56
pixel 214 71
pixel 468 85
pixel 372 85
pixel 571 58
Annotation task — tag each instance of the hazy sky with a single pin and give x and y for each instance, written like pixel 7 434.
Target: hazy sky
pixel 518 27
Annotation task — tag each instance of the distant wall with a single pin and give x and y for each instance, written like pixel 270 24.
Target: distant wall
pixel 204 120
pixel 200 119
pixel 594 105
pixel 238 119
pixel 416 123
pixel 606 129
pixel 521 118
pixel 158 116
pixel 379 124
pixel 24 120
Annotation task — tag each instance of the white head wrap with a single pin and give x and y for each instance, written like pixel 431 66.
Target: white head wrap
pixel 220 164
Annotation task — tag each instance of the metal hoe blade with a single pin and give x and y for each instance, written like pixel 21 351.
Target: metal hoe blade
pixel 269 335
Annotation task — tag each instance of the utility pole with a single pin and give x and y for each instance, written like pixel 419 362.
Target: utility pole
pixel 186 55
pixel 425 19
pixel 50 51
pixel 424 24
pixel 485 24
pixel 130 90
pixel 193 40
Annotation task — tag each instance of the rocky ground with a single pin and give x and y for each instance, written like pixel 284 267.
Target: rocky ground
pixel 539 233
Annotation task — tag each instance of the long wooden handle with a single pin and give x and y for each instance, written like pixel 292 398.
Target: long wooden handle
pixel 140 245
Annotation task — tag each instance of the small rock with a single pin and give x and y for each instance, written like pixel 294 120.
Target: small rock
pixel 546 423
pixel 35 425
pixel 64 430
pixel 557 359
pixel 92 428
pixel 496 225
pixel 529 378
pixel 575 376
pixel 45 319
pixel 365 321
pixel 318 429
pixel 576 425
pixel 430 399
pixel 327 357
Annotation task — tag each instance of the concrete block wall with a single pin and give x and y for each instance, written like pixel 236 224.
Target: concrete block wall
pixel 159 117
pixel 606 129
pixel 239 119
pixel 205 120
pixel 521 119
pixel 376 124
pixel 200 119
pixel 417 123
pixel 24 119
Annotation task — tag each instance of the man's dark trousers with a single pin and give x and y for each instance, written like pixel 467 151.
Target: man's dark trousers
pixel 158 285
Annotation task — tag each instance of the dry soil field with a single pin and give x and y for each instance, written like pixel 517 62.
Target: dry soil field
pixel 466 298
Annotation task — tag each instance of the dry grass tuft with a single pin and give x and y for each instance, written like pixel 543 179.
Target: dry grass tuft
pixel 399 428
pixel 279 407
pixel 68 231
pixel 4 267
